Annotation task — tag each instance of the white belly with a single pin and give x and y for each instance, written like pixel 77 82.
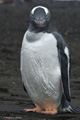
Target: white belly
pixel 41 71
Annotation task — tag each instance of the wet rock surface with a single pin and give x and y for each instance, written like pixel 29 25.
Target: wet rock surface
pixel 14 20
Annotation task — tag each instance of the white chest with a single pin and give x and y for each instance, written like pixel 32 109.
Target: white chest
pixel 40 50
pixel 41 44
pixel 40 66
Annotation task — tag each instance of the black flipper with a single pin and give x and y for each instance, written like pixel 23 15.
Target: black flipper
pixel 66 108
pixel 64 57
pixel 64 73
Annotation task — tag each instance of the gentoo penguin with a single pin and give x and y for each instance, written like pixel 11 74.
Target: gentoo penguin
pixel 45 65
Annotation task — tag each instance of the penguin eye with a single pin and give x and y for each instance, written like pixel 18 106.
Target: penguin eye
pixel 32 16
pixel 46 16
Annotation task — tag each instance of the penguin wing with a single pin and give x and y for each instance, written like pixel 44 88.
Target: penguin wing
pixel 64 58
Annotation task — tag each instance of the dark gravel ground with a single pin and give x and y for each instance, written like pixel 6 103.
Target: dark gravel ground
pixel 14 20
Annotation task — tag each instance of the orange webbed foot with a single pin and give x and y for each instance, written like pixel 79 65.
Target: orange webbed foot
pixel 52 112
pixel 37 109
pixel 30 110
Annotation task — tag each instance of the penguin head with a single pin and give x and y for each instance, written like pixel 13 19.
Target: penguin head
pixel 40 16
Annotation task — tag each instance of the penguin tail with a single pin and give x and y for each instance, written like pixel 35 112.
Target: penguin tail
pixel 69 109
pixel 66 108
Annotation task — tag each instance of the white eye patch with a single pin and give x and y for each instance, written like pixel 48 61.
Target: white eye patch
pixel 45 9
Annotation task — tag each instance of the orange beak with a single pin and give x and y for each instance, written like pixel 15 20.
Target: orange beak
pixel 39 22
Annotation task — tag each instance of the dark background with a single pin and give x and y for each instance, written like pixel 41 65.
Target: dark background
pixel 14 20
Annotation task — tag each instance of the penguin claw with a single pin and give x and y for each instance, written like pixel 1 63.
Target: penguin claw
pixel 30 110
pixel 37 109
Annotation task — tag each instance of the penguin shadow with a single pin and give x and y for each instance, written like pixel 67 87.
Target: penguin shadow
pixel 58 116
pixel 61 116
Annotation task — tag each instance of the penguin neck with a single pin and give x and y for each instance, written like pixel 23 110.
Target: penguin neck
pixel 33 28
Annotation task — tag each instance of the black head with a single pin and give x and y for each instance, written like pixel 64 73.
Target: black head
pixel 40 16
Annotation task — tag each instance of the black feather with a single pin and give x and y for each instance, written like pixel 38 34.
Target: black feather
pixel 24 88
